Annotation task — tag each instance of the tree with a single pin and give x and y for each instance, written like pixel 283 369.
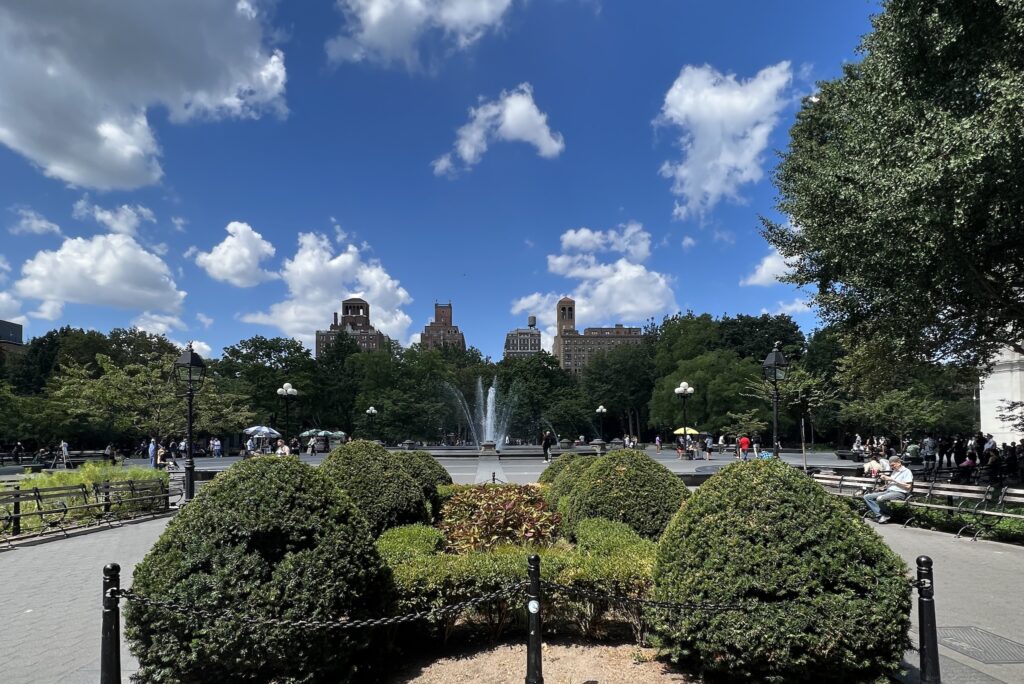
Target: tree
pixel 897 412
pixel 621 380
pixel 1012 413
pixel 745 423
pixel 264 364
pixel 904 183
pixel 809 394
pixel 334 389
pixel 720 379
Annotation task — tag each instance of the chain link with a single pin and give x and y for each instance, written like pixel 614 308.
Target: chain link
pixel 343 623
pixel 649 603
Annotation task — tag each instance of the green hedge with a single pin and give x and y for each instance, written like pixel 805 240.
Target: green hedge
pixel 627 486
pixel 426 472
pixel 832 601
pixel 402 544
pixel 377 484
pixel 567 478
pixel 269 538
pixel 555 467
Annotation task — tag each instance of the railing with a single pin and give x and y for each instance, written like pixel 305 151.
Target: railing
pixel 532 590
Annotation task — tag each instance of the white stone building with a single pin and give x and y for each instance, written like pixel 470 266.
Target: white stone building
pixel 1005 383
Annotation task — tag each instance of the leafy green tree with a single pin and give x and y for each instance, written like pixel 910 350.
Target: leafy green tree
pixel 720 379
pixel 805 394
pixel 903 184
pixel 747 423
pixel 334 389
pixel 262 365
pixel 621 380
pixel 532 381
pixel 898 412
pixel 754 336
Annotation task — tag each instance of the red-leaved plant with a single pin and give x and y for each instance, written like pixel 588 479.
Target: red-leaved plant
pixel 481 518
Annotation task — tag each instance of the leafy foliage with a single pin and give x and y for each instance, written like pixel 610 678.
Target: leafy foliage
pixel 270 538
pixel 377 484
pixel 556 466
pixel 567 478
pixel 833 600
pixel 913 159
pixel 483 517
pixel 426 472
pixel 401 544
pixel 629 487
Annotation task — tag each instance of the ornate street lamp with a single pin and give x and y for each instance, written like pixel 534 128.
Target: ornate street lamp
pixel 371 413
pixel 774 367
pixel 189 373
pixel 287 393
pixel 600 411
pixel 684 392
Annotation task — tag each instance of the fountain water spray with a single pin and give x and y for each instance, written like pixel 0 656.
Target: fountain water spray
pixel 489 421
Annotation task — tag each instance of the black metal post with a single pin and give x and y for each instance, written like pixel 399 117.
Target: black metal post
pixel 190 463
pixel 16 511
pixel 775 418
pixel 110 645
pixel 533 655
pixel 927 633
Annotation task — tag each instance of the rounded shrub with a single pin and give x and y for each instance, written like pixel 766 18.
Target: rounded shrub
pixel 273 539
pixel 555 467
pixel 567 478
pixel 829 600
pixel 426 472
pixel 627 486
pixel 377 484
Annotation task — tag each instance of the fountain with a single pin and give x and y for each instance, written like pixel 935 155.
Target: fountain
pixel 489 421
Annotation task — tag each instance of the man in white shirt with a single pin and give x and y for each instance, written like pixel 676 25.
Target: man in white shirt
pixel 901 483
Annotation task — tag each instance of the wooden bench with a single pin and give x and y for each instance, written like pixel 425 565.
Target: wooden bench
pixel 1008 496
pixel 957 499
pixel 846 485
pixel 120 498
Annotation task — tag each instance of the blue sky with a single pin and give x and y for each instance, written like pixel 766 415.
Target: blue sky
pixel 214 171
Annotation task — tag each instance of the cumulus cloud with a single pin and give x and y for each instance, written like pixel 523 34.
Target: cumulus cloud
pixel 725 123
pixel 32 222
pixel 236 259
pixel 10 309
pixel 5 268
pixel 157 323
pixel 77 80
pixel 797 306
pixel 105 270
pixel 769 271
pixel 318 279
pixel 613 291
pixel 514 116
pixel 124 219
pixel 389 31
pixel 688 243
pixel 204 319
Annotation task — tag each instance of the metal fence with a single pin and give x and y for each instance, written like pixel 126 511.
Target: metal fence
pixel 532 591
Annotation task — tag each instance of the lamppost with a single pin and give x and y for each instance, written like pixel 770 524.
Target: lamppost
pixel 371 413
pixel 189 373
pixel 600 411
pixel 684 392
pixel 287 393
pixel 774 367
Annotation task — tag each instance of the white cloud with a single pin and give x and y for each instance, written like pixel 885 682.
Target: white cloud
pixel 725 124
pixel 237 258
pixel 179 223
pixel 32 222
pixel 514 116
pixel 340 235
pixel 202 348
pixel 77 80
pixel 10 309
pixel 124 219
pixel 388 31
pixel 768 272
pixel 688 243
pixel 5 268
pixel 797 306
pixel 204 319
pixel 631 240
pixel 318 279
pixel 158 324
pixel 105 270
pixel 623 290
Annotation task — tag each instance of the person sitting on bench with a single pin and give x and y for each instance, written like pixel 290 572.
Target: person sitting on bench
pixel 901 483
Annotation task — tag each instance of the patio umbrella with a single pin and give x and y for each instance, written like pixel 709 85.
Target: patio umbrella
pixel 261 431
pixel 685 431
pixel 311 433
pixel 339 434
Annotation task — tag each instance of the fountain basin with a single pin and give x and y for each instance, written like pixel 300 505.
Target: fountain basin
pixel 488 447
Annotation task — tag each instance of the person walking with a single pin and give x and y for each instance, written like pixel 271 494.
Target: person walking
pixel 709 442
pixel 152 452
pixel 546 443
pixel 657 443
pixel 218 448
pixel 744 445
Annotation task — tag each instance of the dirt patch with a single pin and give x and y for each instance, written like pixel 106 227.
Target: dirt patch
pixel 563 663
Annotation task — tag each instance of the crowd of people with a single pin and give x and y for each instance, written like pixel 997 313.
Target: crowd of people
pixel 961 455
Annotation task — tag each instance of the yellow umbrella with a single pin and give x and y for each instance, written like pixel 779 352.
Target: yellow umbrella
pixel 685 431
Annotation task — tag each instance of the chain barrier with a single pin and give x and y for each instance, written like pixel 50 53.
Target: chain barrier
pixel 647 603
pixel 508 592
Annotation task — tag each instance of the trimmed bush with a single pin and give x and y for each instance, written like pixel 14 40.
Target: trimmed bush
pixel 833 601
pixel 270 538
pixel 567 478
pixel 426 472
pixel 603 537
pixel 401 544
pixel 627 486
pixel 483 517
pixel 555 467
pixel 377 484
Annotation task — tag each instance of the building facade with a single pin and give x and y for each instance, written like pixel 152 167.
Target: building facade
pixel 355 321
pixel 11 340
pixel 441 332
pixel 523 342
pixel 574 350
pixel 1004 383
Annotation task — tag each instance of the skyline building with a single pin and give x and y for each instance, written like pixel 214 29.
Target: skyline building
pixel 523 342
pixel 574 350
pixel 355 321
pixel 11 337
pixel 441 332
